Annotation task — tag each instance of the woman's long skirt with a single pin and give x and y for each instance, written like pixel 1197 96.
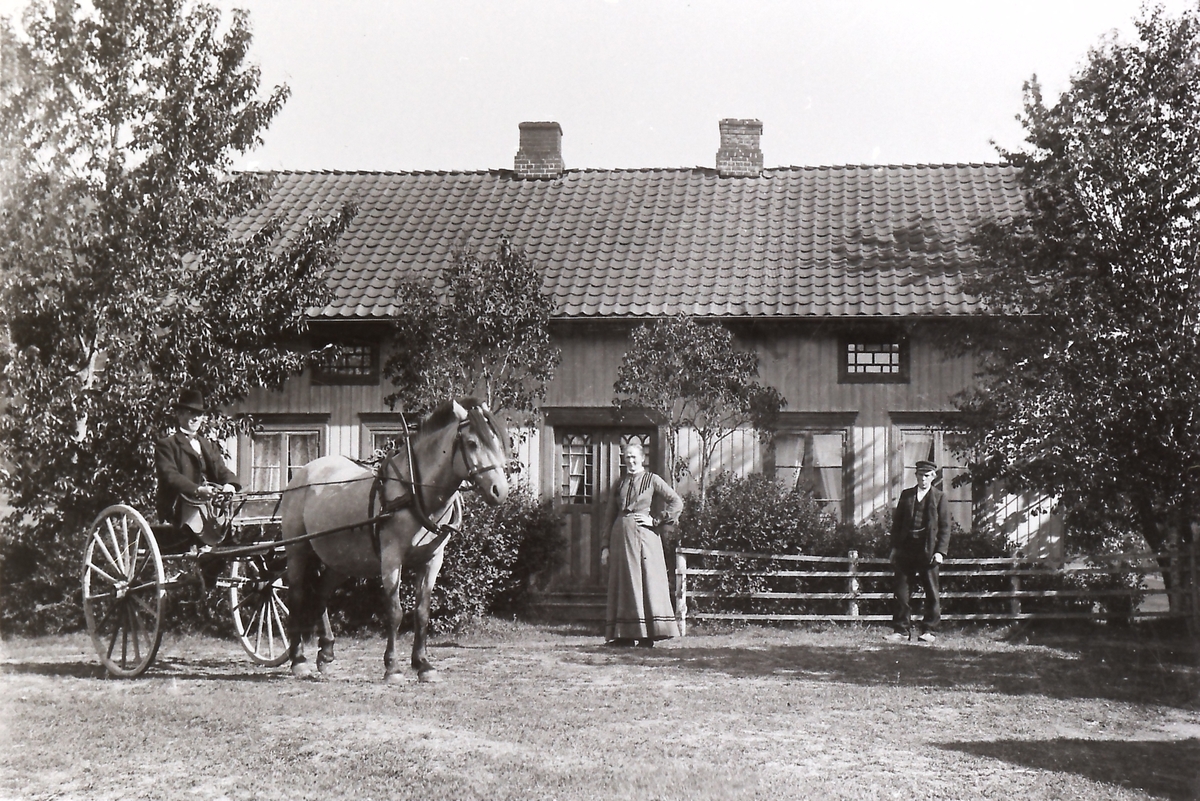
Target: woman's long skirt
pixel 639 597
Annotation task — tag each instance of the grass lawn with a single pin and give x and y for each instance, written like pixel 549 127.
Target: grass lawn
pixel 532 712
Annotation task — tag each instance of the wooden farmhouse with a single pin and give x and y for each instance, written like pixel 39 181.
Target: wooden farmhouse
pixel 841 278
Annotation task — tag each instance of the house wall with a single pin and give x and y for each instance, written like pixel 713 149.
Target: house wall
pixel 801 361
pixel 804 367
pixel 803 364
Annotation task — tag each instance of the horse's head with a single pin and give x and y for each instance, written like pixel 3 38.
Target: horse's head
pixel 483 447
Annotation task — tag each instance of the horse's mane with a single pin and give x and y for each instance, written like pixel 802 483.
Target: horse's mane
pixel 441 416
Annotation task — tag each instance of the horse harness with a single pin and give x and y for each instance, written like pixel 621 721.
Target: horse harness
pixel 412 498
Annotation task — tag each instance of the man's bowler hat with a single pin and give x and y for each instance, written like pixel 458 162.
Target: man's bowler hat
pixel 191 399
pixel 926 466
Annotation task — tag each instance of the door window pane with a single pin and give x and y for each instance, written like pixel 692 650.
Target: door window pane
pixel 578 469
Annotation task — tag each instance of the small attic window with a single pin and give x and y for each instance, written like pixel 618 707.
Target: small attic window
pixel 356 363
pixel 873 361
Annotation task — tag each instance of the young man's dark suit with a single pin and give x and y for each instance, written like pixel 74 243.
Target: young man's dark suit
pixel 181 470
pixel 913 557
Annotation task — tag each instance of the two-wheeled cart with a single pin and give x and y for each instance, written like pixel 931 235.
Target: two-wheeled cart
pixel 129 566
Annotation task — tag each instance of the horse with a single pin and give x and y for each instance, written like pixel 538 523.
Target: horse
pixel 380 521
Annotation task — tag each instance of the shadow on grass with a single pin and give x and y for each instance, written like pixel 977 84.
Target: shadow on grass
pixel 1164 769
pixel 198 669
pixel 1138 675
pixel 74 670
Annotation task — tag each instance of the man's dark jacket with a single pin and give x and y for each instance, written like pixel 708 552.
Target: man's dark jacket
pixel 937 518
pixel 180 470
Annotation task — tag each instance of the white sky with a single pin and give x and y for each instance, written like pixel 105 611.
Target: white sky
pixel 403 85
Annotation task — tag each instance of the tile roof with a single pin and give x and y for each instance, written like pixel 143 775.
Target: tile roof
pixel 852 241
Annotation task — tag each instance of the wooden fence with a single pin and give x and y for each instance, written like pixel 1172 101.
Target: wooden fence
pixel 729 585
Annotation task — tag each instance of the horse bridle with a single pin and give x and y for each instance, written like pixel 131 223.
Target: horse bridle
pixel 472 470
pixel 476 469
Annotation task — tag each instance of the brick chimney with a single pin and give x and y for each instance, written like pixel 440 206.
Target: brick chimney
pixel 740 155
pixel 540 154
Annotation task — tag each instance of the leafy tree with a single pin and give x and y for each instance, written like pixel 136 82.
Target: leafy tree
pixel 481 328
pixel 122 281
pixel 693 376
pixel 1090 365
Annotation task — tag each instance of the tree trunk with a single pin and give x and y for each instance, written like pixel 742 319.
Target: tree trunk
pixel 1169 534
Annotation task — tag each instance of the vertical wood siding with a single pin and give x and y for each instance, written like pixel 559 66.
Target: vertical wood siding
pixel 740 453
pixel 803 366
pixel 872 470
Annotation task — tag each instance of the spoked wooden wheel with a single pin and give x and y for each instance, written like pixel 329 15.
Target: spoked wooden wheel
pixel 258 600
pixel 124 591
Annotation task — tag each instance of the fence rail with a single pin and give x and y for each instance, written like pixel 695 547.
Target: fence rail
pixel 735 585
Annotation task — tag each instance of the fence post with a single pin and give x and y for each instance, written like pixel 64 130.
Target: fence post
pixel 1177 598
pixel 681 592
pixel 1195 586
pixel 853 583
pixel 1014 603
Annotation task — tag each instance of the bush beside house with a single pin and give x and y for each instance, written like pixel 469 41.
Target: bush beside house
pixel 755 515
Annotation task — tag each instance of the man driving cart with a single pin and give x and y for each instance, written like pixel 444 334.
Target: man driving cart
pixel 190 468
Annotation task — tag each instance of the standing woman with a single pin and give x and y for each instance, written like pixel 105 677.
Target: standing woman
pixel 639 598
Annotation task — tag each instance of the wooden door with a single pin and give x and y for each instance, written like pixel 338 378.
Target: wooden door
pixel 588 468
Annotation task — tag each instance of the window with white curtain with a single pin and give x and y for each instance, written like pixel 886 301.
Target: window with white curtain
pixel 816 461
pixel 938 446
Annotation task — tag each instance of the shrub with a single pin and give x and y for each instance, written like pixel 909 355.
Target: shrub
pixel 754 514
pixel 489 566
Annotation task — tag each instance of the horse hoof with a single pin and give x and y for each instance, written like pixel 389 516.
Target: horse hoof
pixel 393 678
pixel 429 676
pixel 326 668
pixel 302 670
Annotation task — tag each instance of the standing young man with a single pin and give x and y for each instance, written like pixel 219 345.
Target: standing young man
pixel 920 539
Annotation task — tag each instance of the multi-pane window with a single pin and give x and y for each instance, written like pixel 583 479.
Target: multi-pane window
pixel 347 364
pixel 578 483
pixel 867 360
pixel 814 461
pixel 939 447
pixel 277 455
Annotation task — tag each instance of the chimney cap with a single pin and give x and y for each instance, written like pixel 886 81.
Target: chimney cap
pixel 537 126
pixel 734 122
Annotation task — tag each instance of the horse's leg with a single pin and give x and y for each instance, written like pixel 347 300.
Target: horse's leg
pixel 425 582
pixel 329 582
pixel 300 603
pixel 391 563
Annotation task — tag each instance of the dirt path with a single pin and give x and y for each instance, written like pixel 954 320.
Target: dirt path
pixel 528 712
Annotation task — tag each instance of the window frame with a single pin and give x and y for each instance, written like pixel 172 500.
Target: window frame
pixel 372 424
pixel 285 424
pixel 845 376
pixel 942 428
pixel 324 375
pixel 810 424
